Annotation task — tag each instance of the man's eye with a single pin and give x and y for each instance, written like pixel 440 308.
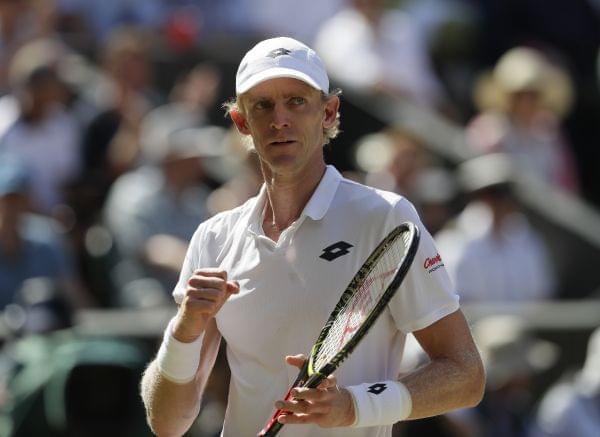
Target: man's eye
pixel 297 100
pixel 262 104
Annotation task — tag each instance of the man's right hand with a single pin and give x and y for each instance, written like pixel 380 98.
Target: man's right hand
pixel 207 290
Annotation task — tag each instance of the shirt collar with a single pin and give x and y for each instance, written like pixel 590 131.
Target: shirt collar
pixel 316 208
pixel 319 203
pixel 256 211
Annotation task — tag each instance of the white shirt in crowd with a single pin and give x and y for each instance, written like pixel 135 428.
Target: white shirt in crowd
pixel 50 150
pixel 394 55
pixel 298 19
pixel 509 266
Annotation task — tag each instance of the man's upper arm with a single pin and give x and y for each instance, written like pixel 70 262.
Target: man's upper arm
pixel 449 337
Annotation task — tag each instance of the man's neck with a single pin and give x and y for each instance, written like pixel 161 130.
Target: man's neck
pixel 287 197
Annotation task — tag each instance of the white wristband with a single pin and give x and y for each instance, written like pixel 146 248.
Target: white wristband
pixel 178 361
pixel 380 403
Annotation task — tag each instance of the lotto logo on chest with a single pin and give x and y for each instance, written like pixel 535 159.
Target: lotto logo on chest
pixel 336 250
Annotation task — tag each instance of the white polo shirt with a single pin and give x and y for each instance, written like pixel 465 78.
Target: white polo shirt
pixel 289 288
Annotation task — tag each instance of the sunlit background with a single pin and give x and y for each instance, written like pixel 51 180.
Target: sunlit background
pixel 114 146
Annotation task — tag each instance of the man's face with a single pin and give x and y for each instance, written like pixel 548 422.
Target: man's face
pixel 286 118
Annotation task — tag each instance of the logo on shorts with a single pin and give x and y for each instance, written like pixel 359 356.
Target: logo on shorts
pixel 377 389
pixel 278 52
pixel 432 264
pixel 336 250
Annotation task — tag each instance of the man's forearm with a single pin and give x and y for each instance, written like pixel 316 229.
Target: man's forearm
pixel 170 408
pixel 445 384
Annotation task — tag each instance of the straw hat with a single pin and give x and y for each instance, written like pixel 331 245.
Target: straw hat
pixel 524 69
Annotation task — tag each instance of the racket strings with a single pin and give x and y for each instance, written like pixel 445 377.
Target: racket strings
pixel 363 301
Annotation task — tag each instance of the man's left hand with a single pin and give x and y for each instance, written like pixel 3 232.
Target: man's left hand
pixel 328 405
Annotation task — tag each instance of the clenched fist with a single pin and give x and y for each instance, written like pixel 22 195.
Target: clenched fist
pixel 206 292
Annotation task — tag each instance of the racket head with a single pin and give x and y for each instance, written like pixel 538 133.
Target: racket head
pixel 363 300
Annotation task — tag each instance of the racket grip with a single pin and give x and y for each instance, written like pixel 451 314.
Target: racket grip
pixel 271 431
pixel 273 426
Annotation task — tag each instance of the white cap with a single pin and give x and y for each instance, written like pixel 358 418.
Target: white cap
pixel 281 57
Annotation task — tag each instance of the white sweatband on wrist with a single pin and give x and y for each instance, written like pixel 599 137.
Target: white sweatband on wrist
pixel 178 361
pixel 380 403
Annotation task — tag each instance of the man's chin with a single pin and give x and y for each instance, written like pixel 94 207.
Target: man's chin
pixel 285 165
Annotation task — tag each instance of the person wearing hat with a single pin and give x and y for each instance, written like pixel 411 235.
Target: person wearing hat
pixel 152 211
pixel 494 254
pixel 522 102
pixel 255 276
pixel 44 133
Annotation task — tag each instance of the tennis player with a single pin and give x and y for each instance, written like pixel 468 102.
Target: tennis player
pixel 266 275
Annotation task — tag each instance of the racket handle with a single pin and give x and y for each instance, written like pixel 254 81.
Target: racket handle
pixel 273 426
pixel 271 430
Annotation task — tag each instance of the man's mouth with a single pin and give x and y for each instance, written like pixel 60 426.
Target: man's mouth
pixel 281 142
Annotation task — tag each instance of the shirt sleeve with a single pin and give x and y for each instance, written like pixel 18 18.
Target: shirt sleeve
pixel 427 293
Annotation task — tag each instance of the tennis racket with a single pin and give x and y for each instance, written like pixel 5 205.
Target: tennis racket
pixel 362 302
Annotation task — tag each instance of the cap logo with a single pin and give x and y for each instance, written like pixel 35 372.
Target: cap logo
pixel 278 52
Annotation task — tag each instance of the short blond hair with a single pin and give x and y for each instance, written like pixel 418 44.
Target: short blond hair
pixel 233 105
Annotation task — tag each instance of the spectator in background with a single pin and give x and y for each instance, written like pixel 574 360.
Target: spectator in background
pixel 395 160
pixel 494 254
pixel 369 48
pixel 21 22
pixel 392 160
pixel 154 210
pixel 29 245
pixel 43 134
pixel 523 101
pixel 513 357
pixel 192 98
pixel 300 20
pixel 102 16
pixel 245 176
pixel 435 197
pixel 572 406
pixel 111 141
pixel 118 96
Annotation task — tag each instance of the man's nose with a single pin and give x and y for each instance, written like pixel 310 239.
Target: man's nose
pixel 281 117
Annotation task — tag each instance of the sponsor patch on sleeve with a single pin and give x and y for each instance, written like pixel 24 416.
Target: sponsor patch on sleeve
pixel 432 264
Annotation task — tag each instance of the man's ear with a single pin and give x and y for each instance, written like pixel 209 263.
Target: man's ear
pixel 240 122
pixel 332 107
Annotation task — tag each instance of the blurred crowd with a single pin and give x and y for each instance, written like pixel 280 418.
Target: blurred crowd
pixel 113 148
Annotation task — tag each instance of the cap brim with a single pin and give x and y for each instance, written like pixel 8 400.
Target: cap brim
pixel 275 73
